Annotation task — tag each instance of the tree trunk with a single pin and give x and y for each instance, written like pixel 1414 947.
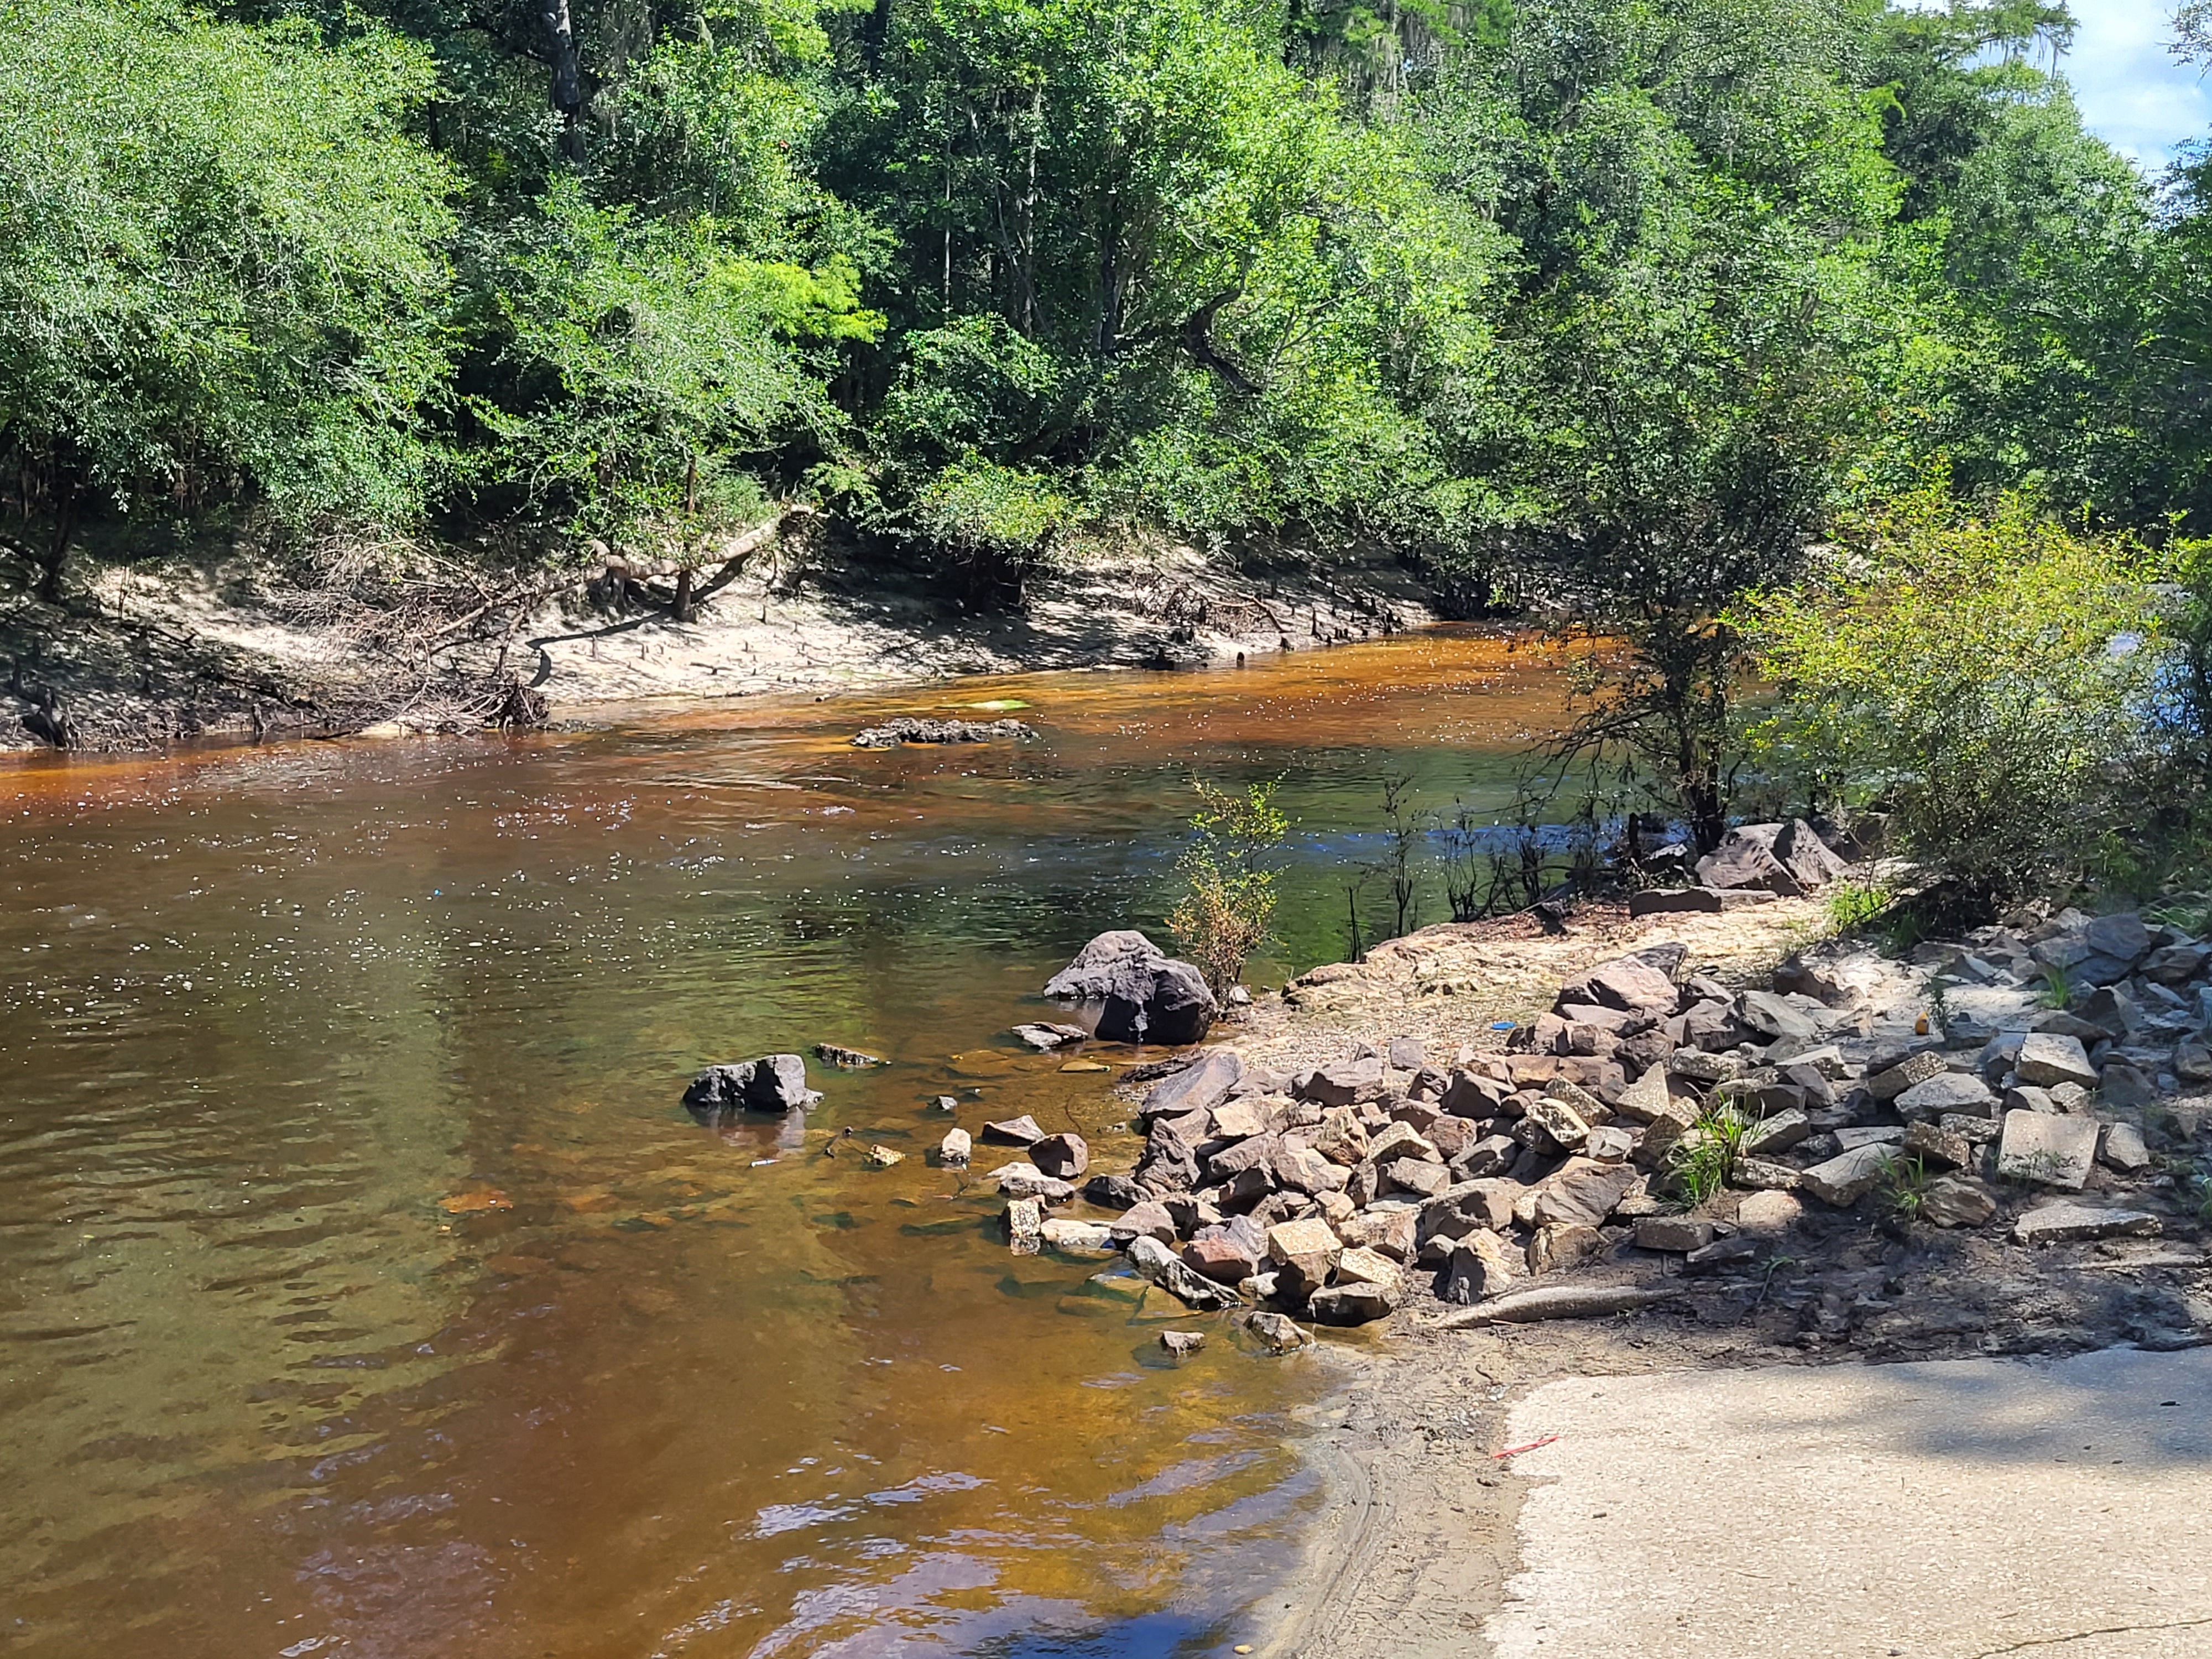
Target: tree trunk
pixel 568 76
pixel 51 568
pixel 681 609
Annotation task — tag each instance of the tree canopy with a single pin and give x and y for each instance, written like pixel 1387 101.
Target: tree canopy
pixel 1611 303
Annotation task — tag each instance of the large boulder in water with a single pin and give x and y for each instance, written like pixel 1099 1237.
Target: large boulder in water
pixel 773 1084
pixel 1148 995
pixel 1169 1003
pixel 1104 966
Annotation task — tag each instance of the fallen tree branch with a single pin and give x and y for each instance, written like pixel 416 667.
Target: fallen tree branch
pixel 1561 1302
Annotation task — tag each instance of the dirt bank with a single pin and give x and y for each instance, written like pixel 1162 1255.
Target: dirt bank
pixel 148 656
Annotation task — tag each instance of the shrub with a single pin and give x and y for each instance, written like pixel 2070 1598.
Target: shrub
pixel 1988 677
pixel 1228 903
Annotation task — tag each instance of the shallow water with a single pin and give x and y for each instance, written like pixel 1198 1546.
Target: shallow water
pixel 365 1290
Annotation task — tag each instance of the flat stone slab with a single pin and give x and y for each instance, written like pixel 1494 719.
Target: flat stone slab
pixel 2074 1489
pixel 2064 1223
pixel 2053 1152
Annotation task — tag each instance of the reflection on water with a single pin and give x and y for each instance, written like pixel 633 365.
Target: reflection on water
pixel 365 1290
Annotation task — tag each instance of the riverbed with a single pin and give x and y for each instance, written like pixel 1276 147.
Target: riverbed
pixel 368 1291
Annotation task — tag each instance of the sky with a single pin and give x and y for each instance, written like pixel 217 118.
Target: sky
pixel 2133 93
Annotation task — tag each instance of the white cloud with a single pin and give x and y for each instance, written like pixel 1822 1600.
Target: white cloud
pixel 2133 93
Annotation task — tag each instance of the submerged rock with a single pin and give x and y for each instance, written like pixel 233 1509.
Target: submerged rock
pixel 905 729
pixel 1278 1331
pixel 771 1083
pixel 1044 1035
pixel 847 1059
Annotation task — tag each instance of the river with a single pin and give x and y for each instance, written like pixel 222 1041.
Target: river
pixel 364 1289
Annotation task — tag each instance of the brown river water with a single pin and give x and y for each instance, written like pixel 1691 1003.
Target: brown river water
pixel 365 1290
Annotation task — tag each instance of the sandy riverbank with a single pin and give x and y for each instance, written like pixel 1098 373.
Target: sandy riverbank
pixel 144 657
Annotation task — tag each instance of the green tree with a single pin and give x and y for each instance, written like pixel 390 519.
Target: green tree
pixel 224 284
pixel 1989 679
pixel 1228 903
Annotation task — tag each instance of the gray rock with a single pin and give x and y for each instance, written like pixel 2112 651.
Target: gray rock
pixel 1198 1087
pixel 2121 1085
pixel 2027 1097
pixel 1099 966
pixel 1768 1214
pixel 1351 1304
pixel 2122 937
pixel 1064 1157
pixel 1632 984
pixel 1976 1131
pixel 1558 1121
pixel 2053 1152
pixel 1407 1053
pixel 954 1150
pixel 1561 1245
pixel 1181 1343
pixel 773 1083
pixel 1773 1017
pixel 1396 1141
pixel 1467 1207
pixel 1077 1238
pixel 847 1059
pixel 1344 1083
pixel 2111 1009
pixel 1480 1264
pixel 1746 858
pixel 1886 1084
pixel 1014 1131
pixel 1852 1137
pixel 1809 860
pixel 1845 1179
pixel 1941 1148
pixel 1027 1181
pixel 2060 1222
pixel 1772 1136
pixel 1764 1174
pixel 1737 1250
pixel 1677 1235
pixel 1113 1192
pixel 1280 1332
pixel 1161 1264
pixel 1947 1092
pixel 2124 1149
pixel 1411 1175
pixel 1024 1220
pixel 1695 1065
pixel 1609 1144
pixel 1166 1004
pixel 2047 1057
pixel 1584 1198
pixel 1150 1219
pixel 1955 1201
